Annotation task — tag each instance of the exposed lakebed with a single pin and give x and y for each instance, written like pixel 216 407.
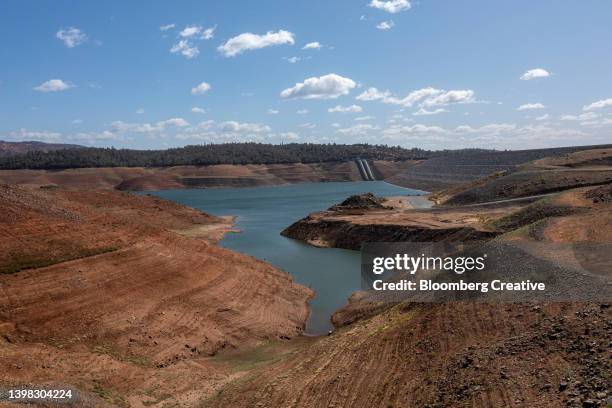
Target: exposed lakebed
pixel 263 212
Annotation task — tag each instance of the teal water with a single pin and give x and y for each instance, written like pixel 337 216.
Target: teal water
pixel 263 212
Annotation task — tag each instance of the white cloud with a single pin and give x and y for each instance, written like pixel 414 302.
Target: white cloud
pixel 77 121
pixel 198 32
pixel 581 117
pixel 293 60
pixel 140 111
pixel 385 25
pixel 450 97
pixel 167 27
pixel 535 73
pixel 249 41
pixel 373 94
pixel 598 105
pixel 345 109
pixel 178 122
pixel 190 31
pixel 336 125
pixel 272 112
pixel 189 34
pixel 546 116
pixel 186 49
pixel 71 36
pixel 53 85
pixel 358 130
pixel 209 33
pixel 289 135
pixel 390 6
pixel 302 112
pixel 201 89
pixel 328 86
pixel 237 127
pixel 529 106
pixel 308 125
pixel 195 109
pixel 363 118
pixel 315 45
pixel 425 112
pixel 425 97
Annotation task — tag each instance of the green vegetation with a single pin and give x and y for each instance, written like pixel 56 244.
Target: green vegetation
pixel 229 153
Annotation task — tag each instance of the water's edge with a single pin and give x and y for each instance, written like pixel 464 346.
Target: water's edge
pixel 263 212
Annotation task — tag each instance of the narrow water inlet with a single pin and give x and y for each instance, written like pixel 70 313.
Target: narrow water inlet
pixel 263 212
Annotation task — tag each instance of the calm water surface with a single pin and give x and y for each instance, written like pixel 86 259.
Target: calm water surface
pixel 263 212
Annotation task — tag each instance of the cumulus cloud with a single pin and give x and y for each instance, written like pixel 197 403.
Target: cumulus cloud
pixel 198 32
pixel 345 109
pixel 358 130
pixel 190 31
pixel 186 49
pixel 328 86
pixel 363 118
pixel 425 97
pixel 201 89
pixel 315 45
pixel 598 105
pixel 390 6
pixel 196 109
pixel 293 60
pixel 385 25
pixel 581 117
pixel 425 112
pixel 186 45
pixel 178 122
pixel 535 73
pixel 71 36
pixel 289 135
pixel 273 112
pixel 237 127
pixel 53 85
pixel 530 106
pixel 25 134
pixel 249 41
pixel 167 27
pixel 209 33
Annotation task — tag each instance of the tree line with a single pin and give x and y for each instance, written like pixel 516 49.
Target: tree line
pixel 198 155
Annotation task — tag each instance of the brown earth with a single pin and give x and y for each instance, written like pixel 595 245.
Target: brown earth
pixel 455 354
pixel 143 179
pixel 543 176
pixel 395 221
pixel 444 355
pixel 127 298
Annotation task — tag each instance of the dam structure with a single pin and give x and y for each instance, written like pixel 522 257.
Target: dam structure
pixel 365 170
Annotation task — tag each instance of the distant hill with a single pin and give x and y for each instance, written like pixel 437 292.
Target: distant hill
pixel 16 148
pixel 443 171
pixel 228 153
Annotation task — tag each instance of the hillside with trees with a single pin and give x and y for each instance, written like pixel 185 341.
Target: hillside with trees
pixel 229 153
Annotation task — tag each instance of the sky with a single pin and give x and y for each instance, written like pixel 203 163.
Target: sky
pixel 429 73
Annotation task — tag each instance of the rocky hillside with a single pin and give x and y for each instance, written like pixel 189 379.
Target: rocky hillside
pixel 126 298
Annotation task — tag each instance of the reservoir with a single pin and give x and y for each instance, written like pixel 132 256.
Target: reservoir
pixel 263 212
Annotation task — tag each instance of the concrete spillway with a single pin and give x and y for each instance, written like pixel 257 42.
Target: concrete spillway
pixel 365 170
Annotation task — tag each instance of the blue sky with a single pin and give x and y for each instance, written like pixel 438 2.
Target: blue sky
pixel 428 73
